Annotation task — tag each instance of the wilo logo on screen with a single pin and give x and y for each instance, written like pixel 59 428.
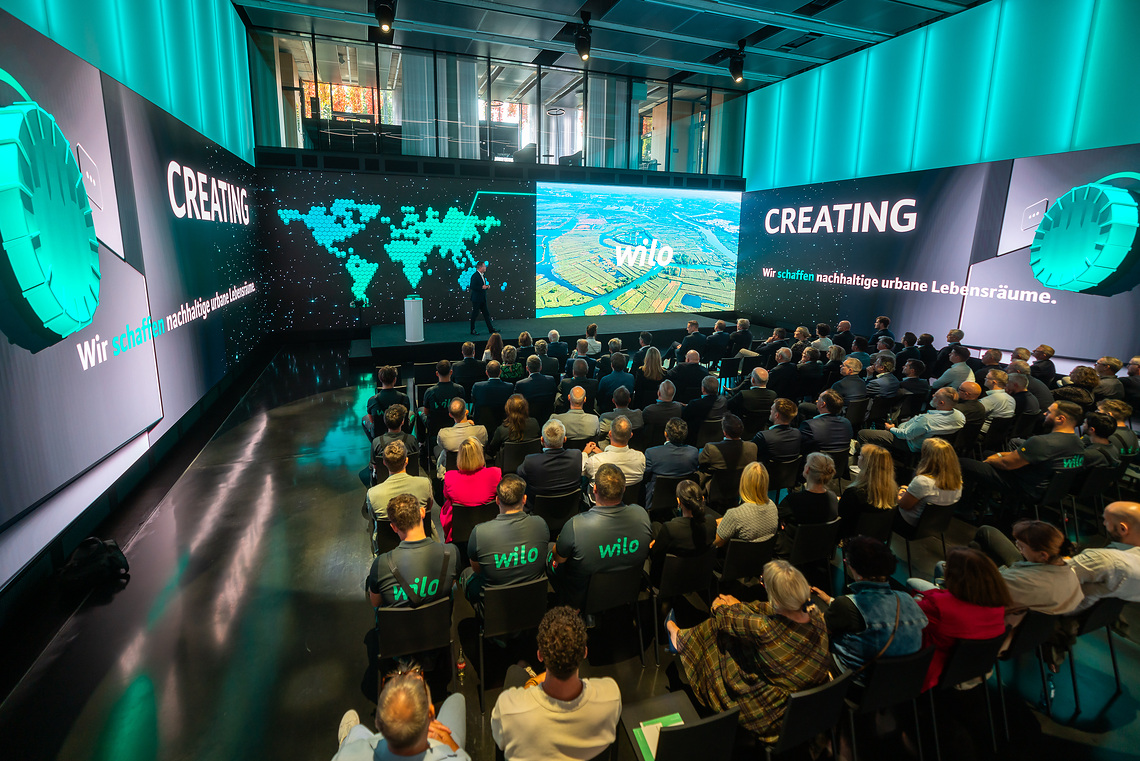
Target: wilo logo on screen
pixel 843 217
pixel 645 255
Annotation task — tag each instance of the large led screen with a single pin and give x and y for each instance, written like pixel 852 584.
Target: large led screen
pixel 343 249
pixel 1015 253
pixel 626 250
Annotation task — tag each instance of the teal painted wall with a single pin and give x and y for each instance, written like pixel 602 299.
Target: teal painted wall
pixel 1006 79
pixel 185 56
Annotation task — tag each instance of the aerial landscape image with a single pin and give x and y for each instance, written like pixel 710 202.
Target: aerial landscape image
pixel 626 250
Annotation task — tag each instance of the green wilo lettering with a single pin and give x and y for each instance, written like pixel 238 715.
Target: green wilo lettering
pixel 623 546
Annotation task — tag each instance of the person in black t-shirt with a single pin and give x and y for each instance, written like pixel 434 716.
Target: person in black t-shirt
pixel 385 398
pixel 394 417
pixel 687 535
pixel 611 536
pixel 511 549
pixel 419 570
pixel 438 397
pixel 815 503
pixel 1124 437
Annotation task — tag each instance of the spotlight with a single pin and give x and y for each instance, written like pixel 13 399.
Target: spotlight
pixel 736 64
pixel 386 14
pixel 582 37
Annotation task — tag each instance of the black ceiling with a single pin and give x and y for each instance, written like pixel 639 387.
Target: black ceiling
pixel 683 40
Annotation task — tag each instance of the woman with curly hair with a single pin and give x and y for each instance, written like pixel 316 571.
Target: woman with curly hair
pixel 1084 382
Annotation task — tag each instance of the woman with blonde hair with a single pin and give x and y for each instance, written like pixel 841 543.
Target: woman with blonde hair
pixel 754 655
pixel 647 378
pixel 873 490
pixel 815 503
pixel 526 346
pixel 511 369
pixel 937 481
pixel 471 485
pixel 755 519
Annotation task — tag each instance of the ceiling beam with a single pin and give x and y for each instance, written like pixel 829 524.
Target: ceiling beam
pixel 779 18
pixel 519 10
pixel 404 25
pixel 939 6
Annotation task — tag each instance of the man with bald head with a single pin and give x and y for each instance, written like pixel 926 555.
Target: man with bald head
pixel 665 409
pixel 756 398
pixel 690 373
pixel 843 336
pixel 618 452
pixel 969 404
pixel 578 423
pixel 581 380
pixel 1112 571
pixel 408 725
pixel 908 437
pixel 783 378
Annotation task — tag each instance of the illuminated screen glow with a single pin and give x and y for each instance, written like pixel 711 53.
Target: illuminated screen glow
pixel 625 250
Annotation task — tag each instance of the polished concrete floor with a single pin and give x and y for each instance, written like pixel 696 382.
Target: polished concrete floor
pixel 242 633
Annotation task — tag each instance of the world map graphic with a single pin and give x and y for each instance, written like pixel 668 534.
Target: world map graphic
pixel 414 239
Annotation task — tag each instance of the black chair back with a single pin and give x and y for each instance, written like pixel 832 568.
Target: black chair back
pixel 842 460
pixel 912 404
pixel 664 503
pixel 966 439
pixel 997 434
pixel 404 631
pixel 514 607
pixel 713 737
pixel 856 412
pixel 466 517
pixel 686 394
pixel 1025 424
pixel 724 489
pixel 881 408
pixel 578 444
pixel 755 422
pixel 811 712
pixel 782 474
pixel 934 521
pixel 877 524
pixel 729 372
pixel 970 659
pixel 745 560
pixel 1103 613
pixel 541 408
pixel 680 576
pixel 1060 484
pixel 513 453
pixel 632 494
pixel 709 431
pixel 386 539
pixel 890 681
pixel 814 543
pixel 1035 630
pixel 653 436
pixel 612 589
pixel 451 460
pixel 556 509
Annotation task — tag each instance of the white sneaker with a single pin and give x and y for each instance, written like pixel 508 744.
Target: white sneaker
pixel 350 719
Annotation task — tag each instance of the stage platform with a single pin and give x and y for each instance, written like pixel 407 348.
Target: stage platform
pixel 443 339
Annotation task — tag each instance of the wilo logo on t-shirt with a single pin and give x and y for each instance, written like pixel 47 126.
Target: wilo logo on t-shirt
pixel 520 555
pixel 641 256
pixel 1076 461
pixel 624 546
pixel 421 586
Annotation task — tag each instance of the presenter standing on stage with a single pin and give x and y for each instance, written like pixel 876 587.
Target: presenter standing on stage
pixel 479 288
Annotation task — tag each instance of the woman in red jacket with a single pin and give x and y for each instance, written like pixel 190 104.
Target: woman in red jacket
pixel 970 606
pixel 473 484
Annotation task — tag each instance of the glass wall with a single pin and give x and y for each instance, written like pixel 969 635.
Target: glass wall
pixel 351 96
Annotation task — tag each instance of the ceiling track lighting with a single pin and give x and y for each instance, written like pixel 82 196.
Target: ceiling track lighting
pixel 582 37
pixel 736 63
pixel 386 15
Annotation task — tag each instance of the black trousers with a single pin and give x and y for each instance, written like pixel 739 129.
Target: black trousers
pixel 476 308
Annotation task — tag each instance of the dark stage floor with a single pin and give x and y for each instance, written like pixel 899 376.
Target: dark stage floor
pixel 241 633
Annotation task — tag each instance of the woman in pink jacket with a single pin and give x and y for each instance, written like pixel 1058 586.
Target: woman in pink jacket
pixel 473 484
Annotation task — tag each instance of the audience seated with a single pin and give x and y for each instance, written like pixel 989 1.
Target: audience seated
pixel 873 490
pixel 438 397
pixel 603 366
pixel 395 459
pixel 828 431
pixel 767 350
pixel 556 347
pixel 664 409
pixel 1109 386
pixel 610 536
pixel 1124 437
pixel 579 424
pixel 833 367
pixel 647 378
pixel 756 518
pixel 809 373
pixel 1043 368
pixel 579 380
pixel 494 348
pixel 418 570
pixel 388 394
pixel 471 484
pixel 958 372
pixel 1024 403
pixel 550 365
pixel 753 655
pixel 407 725
pixel 780 441
pixel 801 341
pixel 511 549
pixel 689 373
pixel 673 459
pixel 517 426
pixel 1083 382
pixel 645 343
pixel 394 418
pixel 943 361
pixel 617 377
pixel 881 380
pixel 914 379
pixel 711 405
pixel 689 534
pixel 1100 450
pixel 843 336
pixel 554 470
pixel 822 343
pixel 621 400
pixel 556 715
pixel 490 395
pixel 526 346
pixel 756 398
pixel 741 339
pixel 468 371
pixel 783 379
pixel 873 621
pixel 1131 382
pixel 929 355
pixel 617 452
pixel 815 503
pixel 850 386
pixel 451 437
pixel 694 340
pixel 909 436
pixel 731 453
pixel 882 328
pixel 1040 391
pixel 1034 569
pixel 580 352
pixel 937 481
pixel 1112 571
pixel 969 402
pixel 908 351
pixel 718 343
pixel 884 349
pixel 511 370
pixel 859 351
pixel 537 388
pixel 593 345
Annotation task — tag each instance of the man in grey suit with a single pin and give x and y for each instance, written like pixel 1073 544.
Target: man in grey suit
pixel 449 439
pixel 731 453
pixel 578 424
pixel 672 459
pixel 657 415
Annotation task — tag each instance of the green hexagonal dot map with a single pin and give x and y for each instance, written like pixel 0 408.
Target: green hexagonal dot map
pixel 47 235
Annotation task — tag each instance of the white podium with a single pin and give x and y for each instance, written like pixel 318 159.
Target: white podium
pixel 413 319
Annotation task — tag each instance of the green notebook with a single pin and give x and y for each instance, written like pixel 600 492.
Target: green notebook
pixel 649 731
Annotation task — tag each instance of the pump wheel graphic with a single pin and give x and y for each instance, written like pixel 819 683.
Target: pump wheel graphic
pixel 1087 242
pixel 49 254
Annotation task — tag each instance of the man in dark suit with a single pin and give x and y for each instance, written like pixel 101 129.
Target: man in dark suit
pixel 555 347
pixel 672 459
pixel 882 328
pixel 928 354
pixel 1043 368
pixel 851 387
pixel 695 340
pixel 538 389
pixel 468 371
pixel 589 385
pixel 710 406
pixel 554 470
pixel 782 378
pixel 658 414
pixel 990 360
pixel 479 288
pixel 490 397
pixel 716 347
pixel 613 346
pixel 581 352
pixel 1036 387
pixel 780 440
pixel 809 373
pixel 741 339
pixel 645 340
pixel 943 362
pixel 731 453
pixel 688 375
pixel 908 352
pixel 616 377
pixel 914 379
pixel 549 365
pixel 757 398
pixel 843 335
pixel 882 381
pixel 767 350
pixel 828 431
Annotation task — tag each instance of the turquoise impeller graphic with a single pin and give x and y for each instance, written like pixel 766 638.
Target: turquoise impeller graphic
pixel 49 253
pixel 1087 241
